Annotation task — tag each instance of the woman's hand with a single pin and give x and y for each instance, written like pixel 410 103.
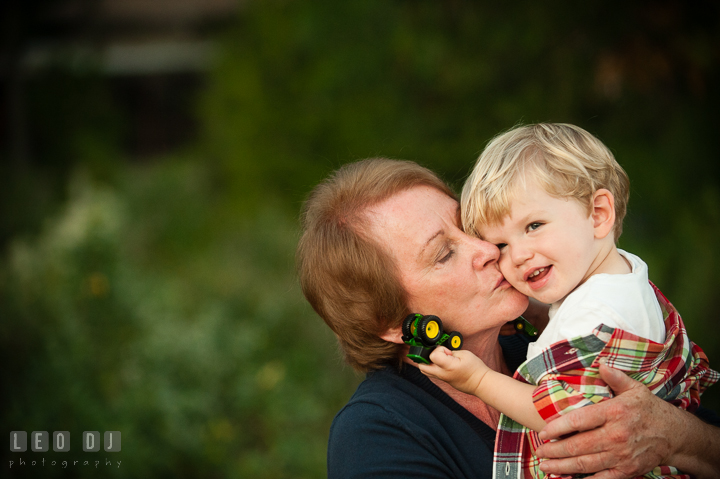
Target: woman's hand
pixel 461 369
pixel 629 435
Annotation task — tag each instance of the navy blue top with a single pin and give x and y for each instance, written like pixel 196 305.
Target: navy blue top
pixel 398 424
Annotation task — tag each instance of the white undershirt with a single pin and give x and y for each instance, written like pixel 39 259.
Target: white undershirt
pixel 625 301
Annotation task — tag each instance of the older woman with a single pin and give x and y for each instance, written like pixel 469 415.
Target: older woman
pixel 381 239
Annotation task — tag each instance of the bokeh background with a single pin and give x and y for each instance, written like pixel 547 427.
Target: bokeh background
pixel 154 156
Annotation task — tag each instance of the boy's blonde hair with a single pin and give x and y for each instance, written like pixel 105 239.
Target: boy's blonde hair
pixel 564 159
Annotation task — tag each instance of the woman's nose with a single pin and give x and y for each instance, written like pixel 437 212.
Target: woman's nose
pixel 485 253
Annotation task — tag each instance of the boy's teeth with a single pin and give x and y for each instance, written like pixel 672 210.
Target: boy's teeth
pixel 536 272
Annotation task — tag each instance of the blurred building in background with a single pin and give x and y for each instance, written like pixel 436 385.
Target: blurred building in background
pixel 152 53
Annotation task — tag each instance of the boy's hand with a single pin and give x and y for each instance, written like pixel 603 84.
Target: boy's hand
pixel 461 369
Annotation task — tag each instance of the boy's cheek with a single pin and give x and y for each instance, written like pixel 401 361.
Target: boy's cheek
pixel 506 270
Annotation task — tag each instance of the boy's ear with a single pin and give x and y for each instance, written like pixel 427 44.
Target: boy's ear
pixel 393 335
pixel 603 213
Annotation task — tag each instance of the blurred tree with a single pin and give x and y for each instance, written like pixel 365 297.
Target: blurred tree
pixel 304 86
pixel 159 299
pixel 131 312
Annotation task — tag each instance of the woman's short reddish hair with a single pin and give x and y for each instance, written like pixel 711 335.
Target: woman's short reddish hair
pixel 347 277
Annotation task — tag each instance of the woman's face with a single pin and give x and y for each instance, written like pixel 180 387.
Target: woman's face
pixel 444 271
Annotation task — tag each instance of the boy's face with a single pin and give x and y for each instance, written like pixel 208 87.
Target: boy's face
pixel 547 244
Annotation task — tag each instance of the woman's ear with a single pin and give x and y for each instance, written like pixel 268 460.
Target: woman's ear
pixel 393 335
pixel 603 213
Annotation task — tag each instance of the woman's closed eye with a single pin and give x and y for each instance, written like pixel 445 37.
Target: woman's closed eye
pixel 445 255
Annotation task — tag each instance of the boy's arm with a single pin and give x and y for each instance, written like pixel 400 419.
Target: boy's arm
pixel 512 398
pixel 629 435
pixel 469 374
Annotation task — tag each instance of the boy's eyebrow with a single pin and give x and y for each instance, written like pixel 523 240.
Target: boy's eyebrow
pixel 526 218
pixel 533 215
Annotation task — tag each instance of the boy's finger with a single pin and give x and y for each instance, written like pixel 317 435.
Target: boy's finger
pixel 438 354
pixel 442 349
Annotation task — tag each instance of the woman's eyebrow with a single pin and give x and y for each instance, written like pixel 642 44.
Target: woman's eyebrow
pixel 427 243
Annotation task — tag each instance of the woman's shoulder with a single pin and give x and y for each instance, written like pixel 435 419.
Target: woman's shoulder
pixel 392 423
pixel 408 399
pixel 385 389
pixel 379 429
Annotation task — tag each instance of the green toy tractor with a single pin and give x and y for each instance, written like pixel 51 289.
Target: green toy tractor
pixel 524 326
pixel 424 334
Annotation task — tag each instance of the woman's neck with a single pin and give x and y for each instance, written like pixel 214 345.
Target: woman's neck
pixel 487 348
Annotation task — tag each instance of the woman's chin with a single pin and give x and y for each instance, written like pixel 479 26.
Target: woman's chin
pixel 518 302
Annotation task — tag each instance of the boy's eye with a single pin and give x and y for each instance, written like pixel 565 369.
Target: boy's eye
pixel 534 226
pixel 501 246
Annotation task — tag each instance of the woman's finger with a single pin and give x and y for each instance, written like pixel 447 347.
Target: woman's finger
pixel 617 380
pixel 584 419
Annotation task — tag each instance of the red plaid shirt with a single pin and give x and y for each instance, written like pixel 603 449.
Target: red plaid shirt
pixel 567 378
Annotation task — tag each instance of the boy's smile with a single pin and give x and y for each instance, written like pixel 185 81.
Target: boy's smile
pixel 547 244
pixel 537 276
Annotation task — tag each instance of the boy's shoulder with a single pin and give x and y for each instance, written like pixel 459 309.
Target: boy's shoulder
pixel 632 289
pixel 625 301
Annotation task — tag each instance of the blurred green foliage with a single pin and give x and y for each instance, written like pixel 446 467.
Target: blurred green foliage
pixel 159 299
pixel 149 309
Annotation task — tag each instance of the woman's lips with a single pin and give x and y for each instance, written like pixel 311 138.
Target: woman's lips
pixel 500 282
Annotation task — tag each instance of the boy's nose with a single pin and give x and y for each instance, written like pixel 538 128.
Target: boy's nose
pixel 519 254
